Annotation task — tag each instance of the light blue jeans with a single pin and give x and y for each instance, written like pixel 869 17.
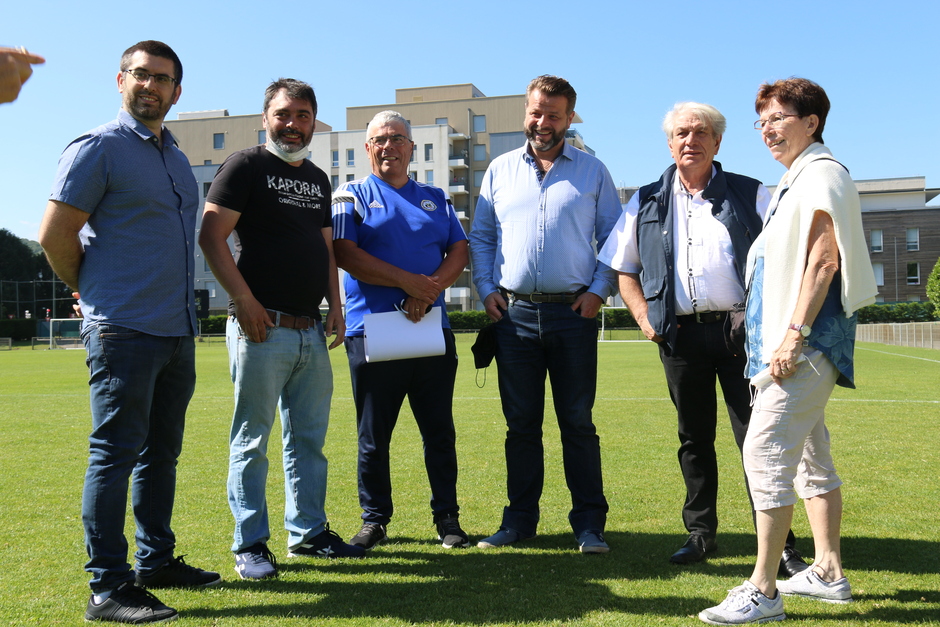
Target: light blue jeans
pixel 291 369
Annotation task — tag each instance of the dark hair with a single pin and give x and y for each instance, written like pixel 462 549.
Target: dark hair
pixel 294 89
pixel 553 86
pixel 805 96
pixel 154 49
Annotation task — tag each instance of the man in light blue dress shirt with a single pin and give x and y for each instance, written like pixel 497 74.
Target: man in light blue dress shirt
pixel 543 211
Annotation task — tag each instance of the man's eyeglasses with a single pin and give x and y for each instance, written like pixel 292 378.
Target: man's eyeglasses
pixel 774 120
pixel 142 76
pixel 394 140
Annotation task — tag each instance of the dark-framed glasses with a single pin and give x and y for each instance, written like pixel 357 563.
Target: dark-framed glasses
pixel 394 140
pixel 142 76
pixel 774 120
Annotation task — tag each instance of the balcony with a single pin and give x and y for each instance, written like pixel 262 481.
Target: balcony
pixel 457 163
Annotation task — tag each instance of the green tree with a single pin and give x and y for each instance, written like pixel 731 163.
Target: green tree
pixel 933 286
pixel 17 260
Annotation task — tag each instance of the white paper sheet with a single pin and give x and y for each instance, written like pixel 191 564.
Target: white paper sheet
pixel 391 335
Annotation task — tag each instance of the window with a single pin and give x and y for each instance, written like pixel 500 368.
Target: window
pixel 478 177
pixel 205 189
pixel 913 298
pixel 334 181
pixel 210 286
pixel 429 177
pixel 349 177
pixel 440 120
pixel 913 239
pixel 262 136
pixel 877 240
pixel 479 124
pixel 479 152
pixel 334 158
pixel 350 157
pixel 429 152
pixel 879 269
pixel 913 274
pixel 218 141
pixel 207 162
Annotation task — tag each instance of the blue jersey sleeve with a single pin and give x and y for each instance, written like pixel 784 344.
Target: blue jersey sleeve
pixel 347 214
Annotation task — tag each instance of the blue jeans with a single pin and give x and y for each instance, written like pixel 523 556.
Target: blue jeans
pixel 140 387
pixel 291 369
pixel 379 390
pixel 532 340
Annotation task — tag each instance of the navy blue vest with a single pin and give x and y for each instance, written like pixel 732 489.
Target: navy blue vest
pixel 733 199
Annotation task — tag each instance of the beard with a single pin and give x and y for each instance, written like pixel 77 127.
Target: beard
pixel 287 147
pixel 541 145
pixel 142 110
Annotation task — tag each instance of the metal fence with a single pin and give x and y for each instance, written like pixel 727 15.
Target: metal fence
pixel 919 334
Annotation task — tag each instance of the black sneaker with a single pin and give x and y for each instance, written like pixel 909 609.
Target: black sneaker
pixel 450 534
pixel 130 604
pixel 255 562
pixel 370 535
pixel 326 544
pixel 178 574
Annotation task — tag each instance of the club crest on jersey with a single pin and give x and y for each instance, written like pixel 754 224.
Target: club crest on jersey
pixel 427 205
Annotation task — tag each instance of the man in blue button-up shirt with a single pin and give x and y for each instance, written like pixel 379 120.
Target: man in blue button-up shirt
pixel 543 211
pixel 119 229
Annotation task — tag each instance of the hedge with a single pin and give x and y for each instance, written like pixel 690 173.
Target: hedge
pixel 18 328
pixel 616 318
pixel 897 312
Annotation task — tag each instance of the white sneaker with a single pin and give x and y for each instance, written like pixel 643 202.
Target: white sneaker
pixel 809 584
pixel 744 604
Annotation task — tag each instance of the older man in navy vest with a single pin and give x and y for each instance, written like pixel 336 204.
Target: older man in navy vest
pixel 680 248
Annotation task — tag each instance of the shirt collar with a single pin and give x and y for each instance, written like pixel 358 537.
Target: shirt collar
pixel 141 129
pixel 565 151
pixel 679 188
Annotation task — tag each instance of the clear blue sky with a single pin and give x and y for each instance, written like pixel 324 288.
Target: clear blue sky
pixel 629 62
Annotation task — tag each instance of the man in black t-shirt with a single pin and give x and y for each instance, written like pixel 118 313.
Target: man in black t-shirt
pixel 278 204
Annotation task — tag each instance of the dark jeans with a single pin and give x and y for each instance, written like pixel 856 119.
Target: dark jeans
pixel 379 389
pixel 140 387
pixel 701 356
pixel 532 340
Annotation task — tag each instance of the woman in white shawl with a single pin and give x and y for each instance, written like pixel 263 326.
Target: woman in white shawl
pixel 813 260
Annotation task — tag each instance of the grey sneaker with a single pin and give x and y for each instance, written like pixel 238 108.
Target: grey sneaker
pixel 744 604
pixel 592 542
pixel 130 604
pixel 502 537
pixel 370 535
pixel 450 534
pixel 809 584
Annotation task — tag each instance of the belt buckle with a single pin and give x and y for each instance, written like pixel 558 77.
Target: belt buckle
pixel 537 297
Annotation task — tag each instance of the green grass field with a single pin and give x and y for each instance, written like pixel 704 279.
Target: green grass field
pixel 885 437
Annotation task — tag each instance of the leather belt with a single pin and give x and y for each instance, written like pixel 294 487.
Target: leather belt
pixel 291 322
pixel 704 317
pixel 543 297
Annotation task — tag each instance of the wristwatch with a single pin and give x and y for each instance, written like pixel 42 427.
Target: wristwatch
pixel 804 329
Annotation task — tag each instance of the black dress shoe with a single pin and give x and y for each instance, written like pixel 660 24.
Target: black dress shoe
pixel 694 550
pixel 792 563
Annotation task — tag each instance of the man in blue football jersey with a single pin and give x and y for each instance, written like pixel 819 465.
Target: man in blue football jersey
pixel 402 245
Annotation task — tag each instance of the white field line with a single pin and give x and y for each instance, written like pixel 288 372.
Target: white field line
pixel 861 348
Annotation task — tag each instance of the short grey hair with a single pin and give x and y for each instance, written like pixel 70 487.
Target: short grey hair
pixel 705 112
pixel 385 117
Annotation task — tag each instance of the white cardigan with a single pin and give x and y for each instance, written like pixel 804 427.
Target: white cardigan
pixel 816 182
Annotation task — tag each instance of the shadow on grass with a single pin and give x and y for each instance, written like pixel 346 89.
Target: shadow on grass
pixel 545 579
